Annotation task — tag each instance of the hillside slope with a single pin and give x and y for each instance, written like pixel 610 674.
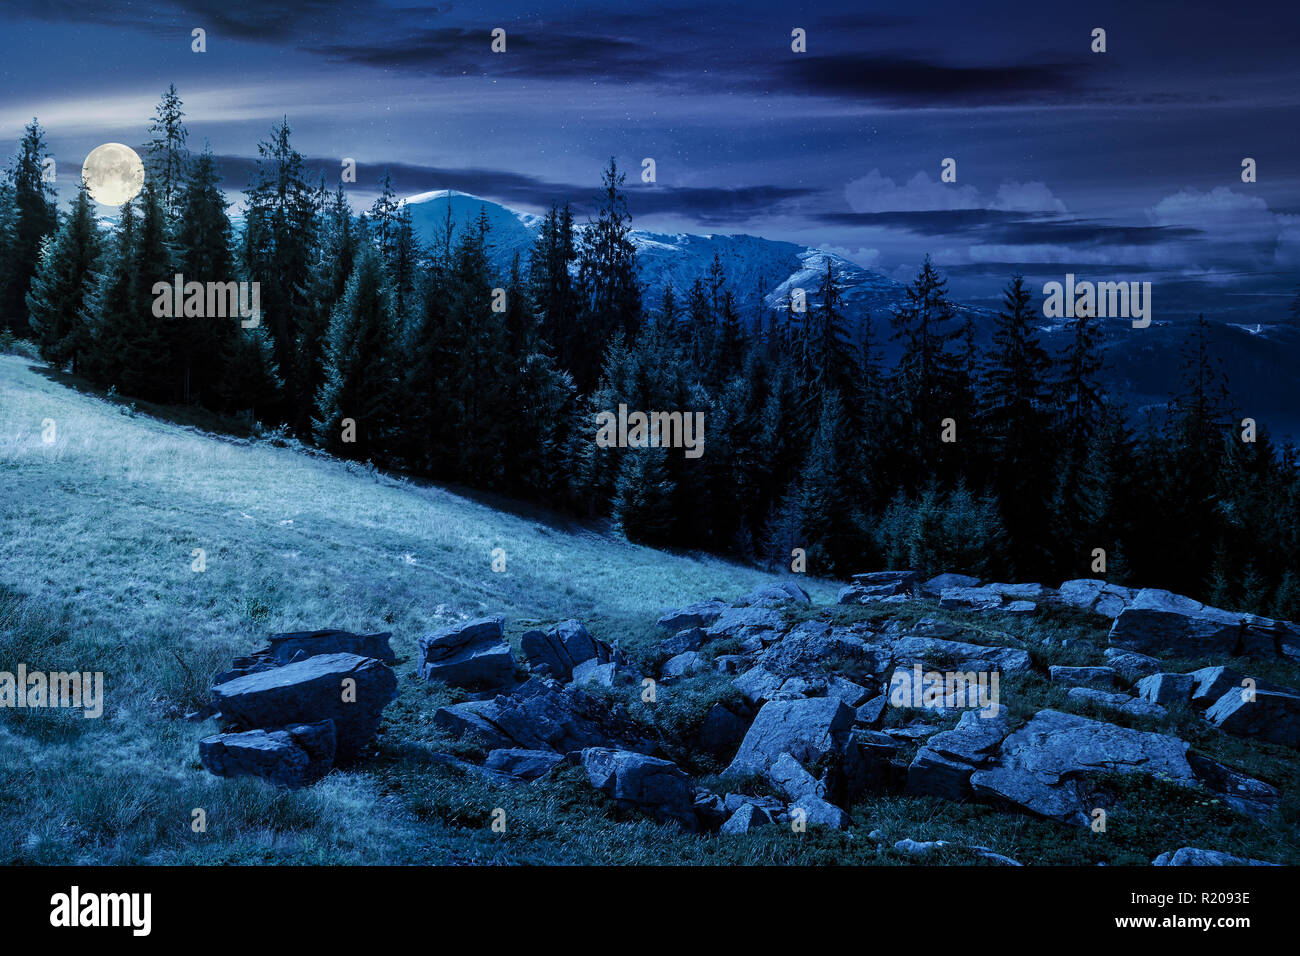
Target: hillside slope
pixel 97 533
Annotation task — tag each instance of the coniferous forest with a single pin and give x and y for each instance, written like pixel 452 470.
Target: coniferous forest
pixel 375 346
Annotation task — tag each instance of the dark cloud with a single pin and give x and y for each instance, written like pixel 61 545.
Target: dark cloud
pixel 932 222
pixel 532 53
pixel 1012 227
pixel 919 82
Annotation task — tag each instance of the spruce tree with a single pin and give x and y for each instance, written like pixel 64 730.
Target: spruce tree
pixel 925 378
pixel 168 156
pixel 608 287
pixel 63 284
pixel 204 253
pixel 357 396
pixel 278 249
pixel 1016 424
pixel 33 217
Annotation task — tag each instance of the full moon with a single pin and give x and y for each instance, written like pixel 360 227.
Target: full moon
pixel 113 173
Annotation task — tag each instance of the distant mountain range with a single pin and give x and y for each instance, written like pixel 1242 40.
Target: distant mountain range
pixel 1262 363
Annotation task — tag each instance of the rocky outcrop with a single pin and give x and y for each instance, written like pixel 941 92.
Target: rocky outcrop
pixel 811 731
pixel 1166 689
pixel 293 646
pixel 1271 715
pixel 939 655
pixel 523 764
pixel 1045 766
pixel 542 714
pixel 1131 666
pixel 293 757
pixel 879 586
pixel 776 593
pixel 943 767
pixel 1160 621
pixel 1120 703
pixel 648 784
pixel 1098 678
pixel 811 645
pixel 556 651
pixel 1093 594
pixel 473 654
pixel 351 691
pixel 700 615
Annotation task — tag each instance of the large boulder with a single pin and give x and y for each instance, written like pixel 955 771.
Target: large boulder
pixel 1046 766
pixel 982 598
pixel 916 687
pixel 818 811
pixel 687 639
pixel 1212 683
pixel 292 757
pixel 702 614
pixel 473 654
pixel 1163 621
pixel 685 664
pixel 544 715
pixel 741 622
pixel 879 586
pixel 298 645
pixel 350 690
pixel 813 731
pixel 1130 665
pixel 722 731
pixel 812 646
pixel 939 655
pixel 1267 714
pixel 758 684
pixel 648 784
pixel 558 650
pixel 1120 703
pixel 1098 678
pixel 935 585
pixel 1166 690
pixel 776 593
pixel 943 767
pixel 523 764
pixel 292 646
pixel 746 817
pixel 1093 594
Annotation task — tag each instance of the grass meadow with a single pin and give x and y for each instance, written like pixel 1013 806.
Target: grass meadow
pixel 98 530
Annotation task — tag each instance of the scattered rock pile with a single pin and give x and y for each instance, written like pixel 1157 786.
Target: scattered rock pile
pixel 821 712
pixel 294 709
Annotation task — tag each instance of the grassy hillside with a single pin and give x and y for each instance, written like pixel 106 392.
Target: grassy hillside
pixel 98 531
pixel 99 528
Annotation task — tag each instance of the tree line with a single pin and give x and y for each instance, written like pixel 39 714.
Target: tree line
pixel 1002 460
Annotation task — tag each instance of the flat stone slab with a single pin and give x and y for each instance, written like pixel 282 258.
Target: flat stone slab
pixel 350 690
pixel 1042 764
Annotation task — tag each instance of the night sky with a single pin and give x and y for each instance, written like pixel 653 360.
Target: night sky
pixel 1118 165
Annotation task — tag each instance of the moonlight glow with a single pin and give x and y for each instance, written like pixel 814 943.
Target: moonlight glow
pixel 113 173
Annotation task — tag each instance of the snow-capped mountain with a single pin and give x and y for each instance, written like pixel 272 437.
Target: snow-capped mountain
pixel 1142 366
pixel 746 260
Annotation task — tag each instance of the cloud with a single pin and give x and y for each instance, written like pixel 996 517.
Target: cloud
pixel 1027 197
pixel 877 193
pixel 911 82
pixel 1243 231
pixel 704 205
